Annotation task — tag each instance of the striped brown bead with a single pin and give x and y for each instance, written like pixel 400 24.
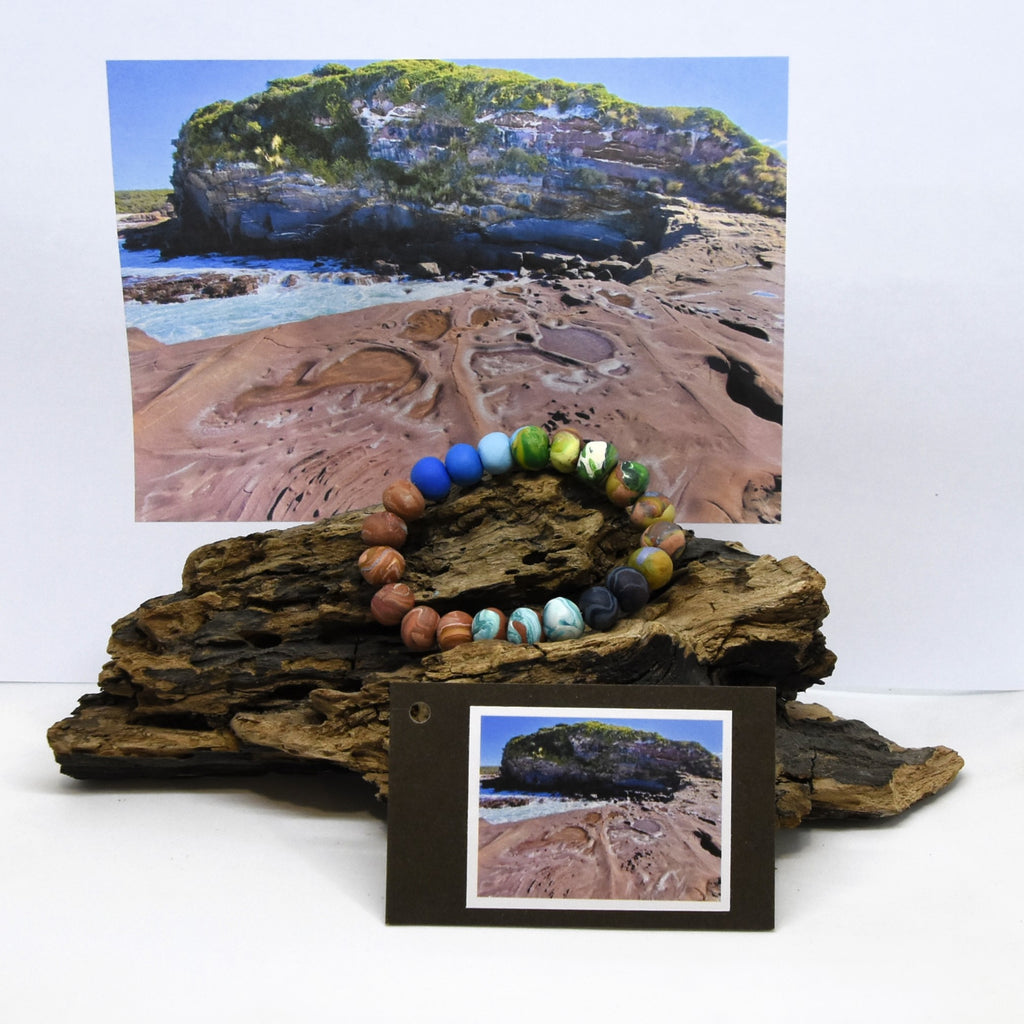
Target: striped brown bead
pixel 454 628
pixel 391 603
pixel 384 528
pixel 419 628
pixel 381 564
pixel 404 498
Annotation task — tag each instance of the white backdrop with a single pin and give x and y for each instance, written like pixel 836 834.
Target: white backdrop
pixel 904 353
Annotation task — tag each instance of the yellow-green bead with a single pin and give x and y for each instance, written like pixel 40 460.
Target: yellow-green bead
pixel 565 449
pixel 530 447
pixel 652 508
pixel 626 482
pixel 670 537
pixel 653 564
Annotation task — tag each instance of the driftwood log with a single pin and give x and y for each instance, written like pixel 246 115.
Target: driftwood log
pixel 267 659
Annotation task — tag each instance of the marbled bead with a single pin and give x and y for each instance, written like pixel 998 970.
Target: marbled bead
pixel 381 564
pixel 384 528
pixel 419 628
pixel 651 508
pixel 655 564
pixel 597 459
pixel 530 447
pixel 490 624
pixel 391 603
pixel 670 537
pixel 630 588
pixel 463 465
pixel 454 628
pixel 495 453
pixel 430 476
pixel 599 607
pixel 626 482
pixel 562 619
pixel 524 627
pixel 403 498
pixel 565 449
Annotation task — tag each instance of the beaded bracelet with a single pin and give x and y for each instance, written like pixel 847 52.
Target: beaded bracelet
pixel 626 589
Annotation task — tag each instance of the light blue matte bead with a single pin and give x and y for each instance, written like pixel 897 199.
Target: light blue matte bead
pixel 495 453
pixel 524 627
pixel 463 465
pixel 562 619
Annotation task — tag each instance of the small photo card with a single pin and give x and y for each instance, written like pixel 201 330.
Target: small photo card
pixel 582 805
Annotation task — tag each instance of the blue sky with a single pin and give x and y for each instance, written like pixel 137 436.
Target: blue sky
pixel 497 730
pixel 151 99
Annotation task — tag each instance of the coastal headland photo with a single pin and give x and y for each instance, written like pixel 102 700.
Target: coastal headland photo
pixel 600 809
pixel 332 269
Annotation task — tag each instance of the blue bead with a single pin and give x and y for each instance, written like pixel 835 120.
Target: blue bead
pixel 630 588
pixel 524 627
pixel 430 476
pixel 599 607
pixel 495 453
pixel 562 619
pixel 463 465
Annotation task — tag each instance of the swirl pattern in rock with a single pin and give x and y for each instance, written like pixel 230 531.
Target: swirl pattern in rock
pixel 300 421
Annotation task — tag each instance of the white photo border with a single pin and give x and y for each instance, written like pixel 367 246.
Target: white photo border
pixel 478 711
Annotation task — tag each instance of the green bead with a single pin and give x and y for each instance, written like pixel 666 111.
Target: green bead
pixel 530 447
pixel 597 460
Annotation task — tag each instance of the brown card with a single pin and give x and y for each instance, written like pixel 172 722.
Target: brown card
pixel 582 805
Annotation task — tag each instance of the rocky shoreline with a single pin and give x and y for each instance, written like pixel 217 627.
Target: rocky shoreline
pixel 465 166
pixel 185 287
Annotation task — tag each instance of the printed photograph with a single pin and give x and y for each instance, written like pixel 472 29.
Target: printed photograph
pixel 330 269
pixel 615 810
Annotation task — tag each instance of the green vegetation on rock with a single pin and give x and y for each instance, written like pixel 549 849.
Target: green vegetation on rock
pixel 597 756
pixel 449 134
pixel 141 200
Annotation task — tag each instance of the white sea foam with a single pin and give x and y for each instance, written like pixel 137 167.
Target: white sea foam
pixel 289 290
pixel 538 805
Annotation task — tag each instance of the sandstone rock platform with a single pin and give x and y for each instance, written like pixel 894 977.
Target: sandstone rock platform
pixel 621 850
pixel 682 369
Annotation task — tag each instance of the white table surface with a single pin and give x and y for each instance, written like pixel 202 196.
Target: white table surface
pixel 263 900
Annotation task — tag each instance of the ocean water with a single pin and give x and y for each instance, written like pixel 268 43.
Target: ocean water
pixel 289 290
pixel 538 805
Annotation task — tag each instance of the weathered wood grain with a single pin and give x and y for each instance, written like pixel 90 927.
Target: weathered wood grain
pixel 267 659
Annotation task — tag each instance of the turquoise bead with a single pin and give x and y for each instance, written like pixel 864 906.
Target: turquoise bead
pixel 489 624
pixel 562 619
pixel 524 627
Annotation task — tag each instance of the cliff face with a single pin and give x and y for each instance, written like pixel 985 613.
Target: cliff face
pixel 422 160
pixel 593 757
